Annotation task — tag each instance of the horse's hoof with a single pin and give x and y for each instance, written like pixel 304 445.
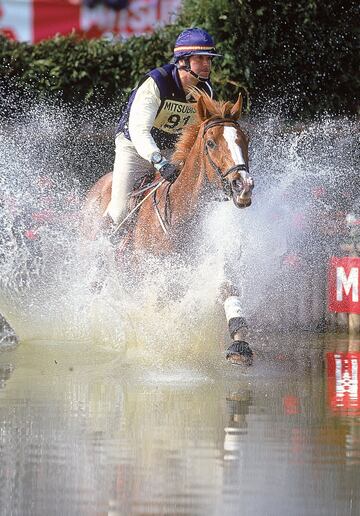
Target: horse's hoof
pixel 239 353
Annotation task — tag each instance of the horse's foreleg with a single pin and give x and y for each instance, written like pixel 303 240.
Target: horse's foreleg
pixel 239 352
pixel 236 322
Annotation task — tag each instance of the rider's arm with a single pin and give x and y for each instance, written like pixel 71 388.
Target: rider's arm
pixel 141 119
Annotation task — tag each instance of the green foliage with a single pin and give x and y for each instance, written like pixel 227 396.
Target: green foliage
pixel 78 70
pixel 303 50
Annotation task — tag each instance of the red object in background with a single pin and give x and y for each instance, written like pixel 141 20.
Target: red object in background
pixel 35 20
pixel 343 376
pixel 8 34
pixel 318 192
pixel 292 260
pixel 31 234
pixel 291 405
pixel 343 285
pixel 54 16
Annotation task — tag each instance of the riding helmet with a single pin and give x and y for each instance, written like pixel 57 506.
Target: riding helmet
pixel 194 41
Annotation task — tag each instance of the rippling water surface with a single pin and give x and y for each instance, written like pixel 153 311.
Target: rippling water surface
pixel 80 433
pixel 119 401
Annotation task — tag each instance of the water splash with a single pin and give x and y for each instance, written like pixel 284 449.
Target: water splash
pixel 304 176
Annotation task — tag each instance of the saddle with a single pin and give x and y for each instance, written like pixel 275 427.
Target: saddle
pixel 140 189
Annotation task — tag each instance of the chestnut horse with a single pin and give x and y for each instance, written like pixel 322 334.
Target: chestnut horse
pixel 212 156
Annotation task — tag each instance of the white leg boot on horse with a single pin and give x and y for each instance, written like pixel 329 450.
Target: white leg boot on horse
pixel 239 352
pixel 213 162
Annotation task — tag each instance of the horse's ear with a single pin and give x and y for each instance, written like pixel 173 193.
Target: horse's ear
pixel 237 108
pixel 202 109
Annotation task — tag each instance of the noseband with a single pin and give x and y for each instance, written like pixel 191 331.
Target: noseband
pixel 236 168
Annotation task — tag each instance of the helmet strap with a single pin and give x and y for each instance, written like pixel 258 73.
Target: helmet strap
pixel 187 68
pixel 198 77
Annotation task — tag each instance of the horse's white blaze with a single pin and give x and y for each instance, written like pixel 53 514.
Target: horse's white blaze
pixel 232 307
pixel 236 152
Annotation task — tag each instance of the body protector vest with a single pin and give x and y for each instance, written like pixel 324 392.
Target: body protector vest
pixel 175 111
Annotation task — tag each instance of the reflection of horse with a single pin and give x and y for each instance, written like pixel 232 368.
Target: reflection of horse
pixel 212 155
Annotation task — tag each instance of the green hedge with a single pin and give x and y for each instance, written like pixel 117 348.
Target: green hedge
pixel 307 49
pixel 77 70
pixel 304 51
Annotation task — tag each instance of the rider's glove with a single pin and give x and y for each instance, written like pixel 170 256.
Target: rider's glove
pixel 169 171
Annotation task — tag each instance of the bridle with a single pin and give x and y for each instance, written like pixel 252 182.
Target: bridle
pixel 165 219
pixel 227 187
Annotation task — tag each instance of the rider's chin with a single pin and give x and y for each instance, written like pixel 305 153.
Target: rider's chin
pixel 204 74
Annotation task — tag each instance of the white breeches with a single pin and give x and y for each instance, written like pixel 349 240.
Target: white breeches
pixel 128 168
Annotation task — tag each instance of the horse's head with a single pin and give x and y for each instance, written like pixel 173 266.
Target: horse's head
pixel 225 148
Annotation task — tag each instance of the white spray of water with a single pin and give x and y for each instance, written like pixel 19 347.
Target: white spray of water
pixel 46 280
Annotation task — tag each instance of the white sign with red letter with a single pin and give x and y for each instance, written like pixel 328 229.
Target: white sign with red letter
pixel 344 285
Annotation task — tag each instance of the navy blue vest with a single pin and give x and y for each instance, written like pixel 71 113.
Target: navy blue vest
pixel 174 112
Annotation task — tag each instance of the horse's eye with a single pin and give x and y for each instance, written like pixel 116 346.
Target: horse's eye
pixel 211 144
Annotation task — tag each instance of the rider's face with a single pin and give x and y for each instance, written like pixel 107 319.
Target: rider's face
pixel 200 64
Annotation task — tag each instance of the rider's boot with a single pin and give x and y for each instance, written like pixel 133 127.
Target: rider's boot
pixel 109 229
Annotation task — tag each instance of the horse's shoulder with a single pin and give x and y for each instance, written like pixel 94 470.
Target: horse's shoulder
pixel 105 181
pixel 101 185
pixel 107 177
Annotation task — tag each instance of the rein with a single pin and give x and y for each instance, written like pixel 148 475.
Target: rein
pixel 152 192
pixel 236 168
pixel 165 219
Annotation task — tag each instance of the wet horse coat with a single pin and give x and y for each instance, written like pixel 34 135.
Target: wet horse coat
pixel 212 156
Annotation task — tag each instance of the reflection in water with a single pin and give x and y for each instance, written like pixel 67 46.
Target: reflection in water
pixel 343 382
pixel 343 394
pixel 81 434
pixel 5 373
pixel 238 404
pixel 174 430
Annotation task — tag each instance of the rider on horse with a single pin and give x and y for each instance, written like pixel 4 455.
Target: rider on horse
pixel 156 112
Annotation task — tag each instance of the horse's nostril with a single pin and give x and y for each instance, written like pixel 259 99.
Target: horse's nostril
pixel 237 185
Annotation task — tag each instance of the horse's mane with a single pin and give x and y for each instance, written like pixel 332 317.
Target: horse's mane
pixel 215 109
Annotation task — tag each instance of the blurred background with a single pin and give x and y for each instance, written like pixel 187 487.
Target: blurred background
pixel 66 69
pixel 34 20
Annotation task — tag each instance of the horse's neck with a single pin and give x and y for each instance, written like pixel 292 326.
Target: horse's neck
pixel 188 188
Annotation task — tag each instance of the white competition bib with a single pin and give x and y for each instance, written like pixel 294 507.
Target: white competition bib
pixel 174 115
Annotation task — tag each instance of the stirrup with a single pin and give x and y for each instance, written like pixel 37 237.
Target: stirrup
pixel 115 237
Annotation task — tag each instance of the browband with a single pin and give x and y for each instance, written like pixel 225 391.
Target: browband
pixel 220 121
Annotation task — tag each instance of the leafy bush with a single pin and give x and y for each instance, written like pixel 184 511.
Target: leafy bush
pixel 304 51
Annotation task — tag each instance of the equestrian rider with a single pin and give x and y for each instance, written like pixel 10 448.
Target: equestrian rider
pixel 156 112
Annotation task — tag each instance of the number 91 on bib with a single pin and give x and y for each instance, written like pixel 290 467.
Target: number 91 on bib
pixel 174 116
